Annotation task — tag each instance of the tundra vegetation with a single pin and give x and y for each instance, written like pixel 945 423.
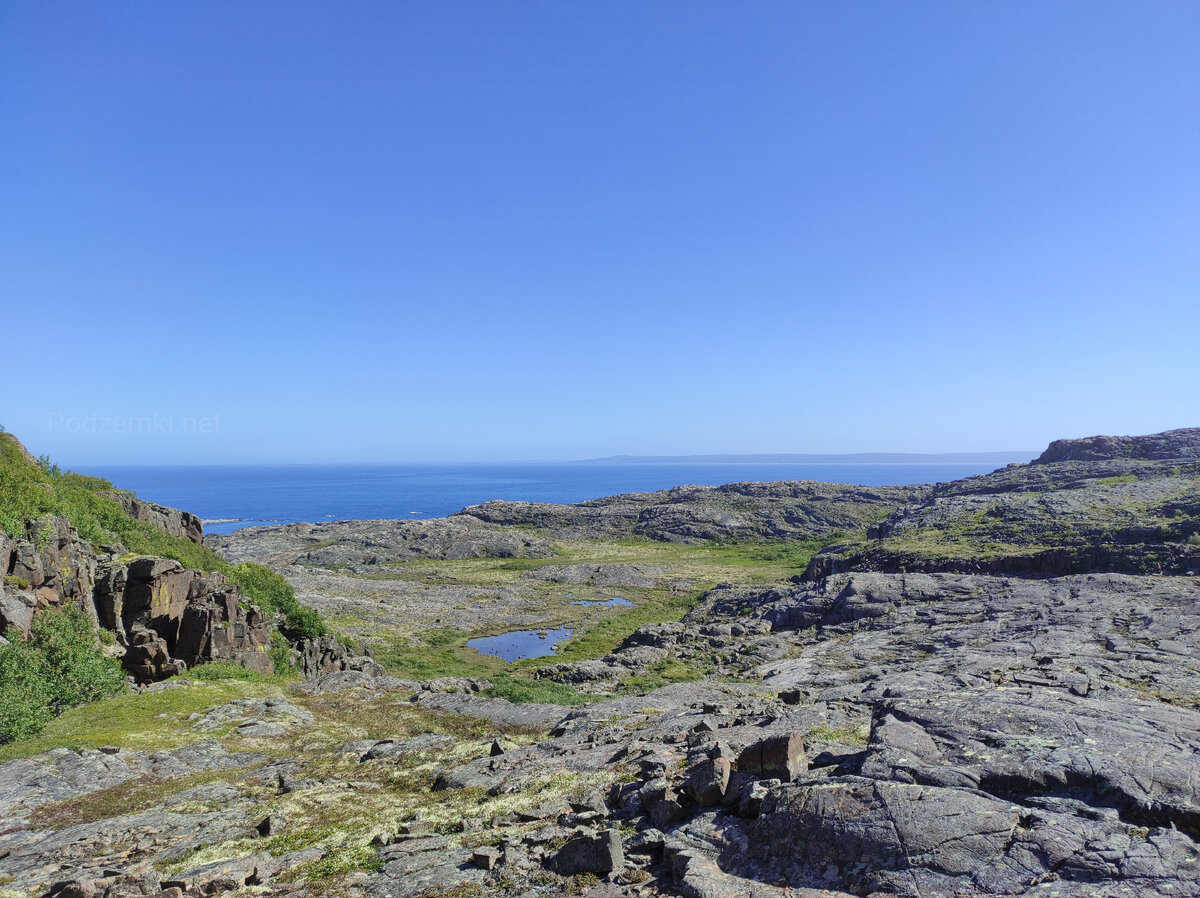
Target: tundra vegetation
pixel 972 688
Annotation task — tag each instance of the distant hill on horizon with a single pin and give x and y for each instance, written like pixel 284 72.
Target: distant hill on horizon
pixel 855 458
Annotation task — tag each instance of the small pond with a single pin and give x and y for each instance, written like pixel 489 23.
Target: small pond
pixel 520 644
pixel 607 603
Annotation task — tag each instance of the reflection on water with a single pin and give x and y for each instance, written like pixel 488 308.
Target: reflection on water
pixel 609 603
pixel 520 644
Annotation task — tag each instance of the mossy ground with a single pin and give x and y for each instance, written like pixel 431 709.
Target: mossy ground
pixel 685 573
pixel 149 720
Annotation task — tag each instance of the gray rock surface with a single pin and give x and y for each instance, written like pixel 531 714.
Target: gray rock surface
pixel 343 543
pixel 690 514
pixel 1182 443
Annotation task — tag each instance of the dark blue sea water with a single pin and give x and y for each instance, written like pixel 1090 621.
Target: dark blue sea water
pixel 252 495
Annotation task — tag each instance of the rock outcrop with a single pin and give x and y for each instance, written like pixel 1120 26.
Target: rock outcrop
pixel 171 618
pixel 165 616
pixel 1132 511
pixel 46 566
pixel 1182 443
pixel 172 521
pixel 693 514
pixel 366 543
pixel 328 654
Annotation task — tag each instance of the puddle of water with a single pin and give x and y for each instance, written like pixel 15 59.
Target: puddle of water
pixel 615 600
pixel 476 607
pixel 520 644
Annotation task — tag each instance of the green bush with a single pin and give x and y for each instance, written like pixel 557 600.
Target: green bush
pixel 58 667
pixel 280 653
pixel 271 592
pixel 304 623
pixel 264 587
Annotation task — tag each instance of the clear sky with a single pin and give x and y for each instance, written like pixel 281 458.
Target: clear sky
pixel 399 231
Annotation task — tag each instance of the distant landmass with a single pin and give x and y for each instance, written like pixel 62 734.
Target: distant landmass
pixel 856 458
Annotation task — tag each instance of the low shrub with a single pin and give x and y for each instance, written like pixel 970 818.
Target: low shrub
pixel 271 592
pixel 58 667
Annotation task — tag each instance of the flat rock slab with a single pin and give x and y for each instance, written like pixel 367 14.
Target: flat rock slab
pixel 497 710
pixel 277 711
pixel 63 773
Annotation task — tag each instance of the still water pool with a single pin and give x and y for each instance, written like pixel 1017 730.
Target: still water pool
pixel 520 644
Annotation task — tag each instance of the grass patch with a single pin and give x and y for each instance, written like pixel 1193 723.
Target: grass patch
pixel 853 734
pixel 215 671
pixel 522 690
pixel 148 720
pixel 664 673
pixel 437 653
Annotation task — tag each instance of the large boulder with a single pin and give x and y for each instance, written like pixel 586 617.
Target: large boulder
pixel 328 654
pixel 170 617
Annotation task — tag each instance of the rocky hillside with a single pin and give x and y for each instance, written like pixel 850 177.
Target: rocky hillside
pixel 939 706
pixel 1107 504
pixel 694 514
pixel 162 615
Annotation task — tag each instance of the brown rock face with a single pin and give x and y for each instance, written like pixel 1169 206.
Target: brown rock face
pixel 172 617
pixel 172 521
pixel 779 757
pixel 46 566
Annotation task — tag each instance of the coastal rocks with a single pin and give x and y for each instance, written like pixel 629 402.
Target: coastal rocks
pixel 254 717
pixel 62 773
pixel 1134 509
pixel 346 543
pixel 1182 443
pixel 599 575
pixel 777 757
pixel 872 836
pixel 693 514
pixel 589 852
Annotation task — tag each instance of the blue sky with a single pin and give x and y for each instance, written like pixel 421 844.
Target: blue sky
pixel 274 232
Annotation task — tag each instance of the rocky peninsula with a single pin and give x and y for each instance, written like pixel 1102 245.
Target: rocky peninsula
pixel 983 687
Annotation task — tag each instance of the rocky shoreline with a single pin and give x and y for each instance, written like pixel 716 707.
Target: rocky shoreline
pixel 985 687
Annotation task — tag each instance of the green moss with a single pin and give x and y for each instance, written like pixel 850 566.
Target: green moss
pixel 146 720
pixel 518 689
pixel 341 862
pixel 854 734
pixel 227 670
pixel 126 798
pixel 664 673
pixel 436 653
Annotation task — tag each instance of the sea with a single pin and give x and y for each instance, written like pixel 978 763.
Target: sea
pixel 230 497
